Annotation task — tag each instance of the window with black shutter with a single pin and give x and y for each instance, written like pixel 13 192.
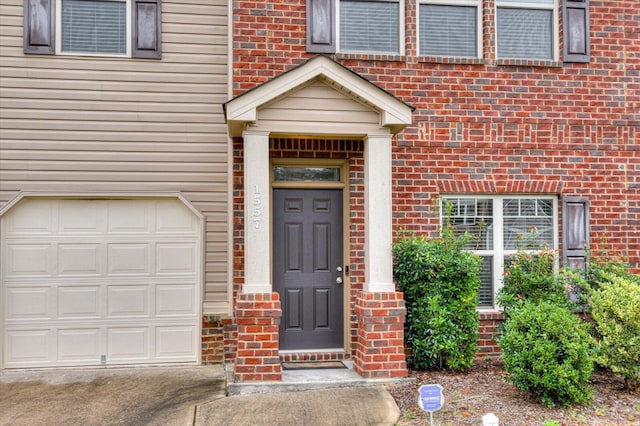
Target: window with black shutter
pixel 575 231
pixel 93 27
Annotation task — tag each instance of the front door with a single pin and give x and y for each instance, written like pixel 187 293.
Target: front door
pixel 307 269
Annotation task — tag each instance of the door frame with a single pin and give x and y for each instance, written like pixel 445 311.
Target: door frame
pixel 343 184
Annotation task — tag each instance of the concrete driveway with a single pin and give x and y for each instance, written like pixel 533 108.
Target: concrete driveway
pixel 128 396
pixel 179 396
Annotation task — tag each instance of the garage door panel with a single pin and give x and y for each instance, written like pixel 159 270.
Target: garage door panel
pixel 28 347
pixel 95 282
pixel 27 220
pixel 175 343
pixel 82 217
pixel 128 301
pixel 29 260
pixel 175 258
pixel 128 344
pixel 129 259
pixel 29 303
pixel 80 345
pixel 129 218
pixel 175 300
pixel 174 219
pixel 78 302
pixel 80 259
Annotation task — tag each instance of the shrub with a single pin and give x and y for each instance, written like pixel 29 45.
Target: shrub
pixel 615 308
pixel 440 282
pixel 530 276
pixel 547 351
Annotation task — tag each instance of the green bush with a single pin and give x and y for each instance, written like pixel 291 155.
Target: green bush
pixel 440 282
pixel 615 307
pixel 547 351
pixel 530 276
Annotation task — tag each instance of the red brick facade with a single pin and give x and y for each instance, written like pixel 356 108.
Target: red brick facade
pixel 481 126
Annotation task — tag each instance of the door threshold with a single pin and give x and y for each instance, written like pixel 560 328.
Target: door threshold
pixel 333 354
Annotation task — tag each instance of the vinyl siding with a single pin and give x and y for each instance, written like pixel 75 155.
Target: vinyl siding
pixel 92 124
pixel 316 108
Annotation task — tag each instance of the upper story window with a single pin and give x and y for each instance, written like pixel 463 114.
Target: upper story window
pixel 370 26
pixel 129 28
pixel 450 28
pixel 95 27
pixel 526 29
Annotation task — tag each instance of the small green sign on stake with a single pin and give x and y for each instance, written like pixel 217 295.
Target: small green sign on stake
pixel 430 399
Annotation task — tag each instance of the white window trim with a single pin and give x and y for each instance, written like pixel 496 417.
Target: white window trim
pixel 474 3
pixel 555 44
pixel 59 50
pixel 498 241
pixel 401 30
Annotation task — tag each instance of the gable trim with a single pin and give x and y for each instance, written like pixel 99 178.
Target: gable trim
pixel 394 113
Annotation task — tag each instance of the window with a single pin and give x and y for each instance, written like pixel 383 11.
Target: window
pixel 526 29
pixel 450 28
pixel 495 224
pixel 93 27
pixel 369 26
pixel 129 28
pixel 363 26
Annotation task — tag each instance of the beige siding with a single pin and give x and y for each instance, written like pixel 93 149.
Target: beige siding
pixel 317 107
pixel 83 124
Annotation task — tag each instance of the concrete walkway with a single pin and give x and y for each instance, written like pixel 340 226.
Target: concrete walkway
pixel 188 396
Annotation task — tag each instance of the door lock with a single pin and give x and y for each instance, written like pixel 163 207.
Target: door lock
pixel 339 269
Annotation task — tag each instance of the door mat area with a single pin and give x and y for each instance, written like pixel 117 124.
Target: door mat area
pixel 312 365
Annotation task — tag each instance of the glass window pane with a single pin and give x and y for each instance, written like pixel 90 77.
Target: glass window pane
pixel 369 26
pixel 320 174
pixel 525 33
pixel 448 30
pixel 94 26
pixel 485 295
pixel 524 218
pixel 473 216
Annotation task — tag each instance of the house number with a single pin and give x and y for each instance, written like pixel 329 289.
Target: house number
pixel 257 207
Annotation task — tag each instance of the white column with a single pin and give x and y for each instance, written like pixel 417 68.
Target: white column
pixel 378 230
pixel 257 213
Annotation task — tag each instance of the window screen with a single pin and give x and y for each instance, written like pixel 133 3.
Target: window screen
pixel 525 33
pixel 448 30
pixel 93 26
pixel 369 26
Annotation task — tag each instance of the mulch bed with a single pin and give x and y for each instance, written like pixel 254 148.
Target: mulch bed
pixel 471 395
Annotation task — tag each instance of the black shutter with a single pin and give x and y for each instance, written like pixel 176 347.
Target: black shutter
pixel 575 15
pixel 321 26
pixel 146 34
pixel 39 27
pixel 575 231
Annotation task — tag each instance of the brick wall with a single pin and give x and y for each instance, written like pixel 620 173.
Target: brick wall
pixel 489 125
pixel 480 126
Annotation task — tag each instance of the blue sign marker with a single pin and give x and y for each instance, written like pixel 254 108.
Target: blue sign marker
pixel 430 399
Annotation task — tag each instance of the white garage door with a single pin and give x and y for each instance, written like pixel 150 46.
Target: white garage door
pixel 100 282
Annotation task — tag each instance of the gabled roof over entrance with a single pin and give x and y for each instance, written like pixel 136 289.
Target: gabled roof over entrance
pixel 393 113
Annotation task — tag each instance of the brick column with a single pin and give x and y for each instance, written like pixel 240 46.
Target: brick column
pixel 380 347
pixel 258 317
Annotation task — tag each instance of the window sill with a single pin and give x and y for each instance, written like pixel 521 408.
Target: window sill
pixel 490 314
pixel 528 63
pixel 372 57
pixel 451 60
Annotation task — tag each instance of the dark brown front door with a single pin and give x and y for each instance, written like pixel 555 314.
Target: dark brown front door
pixel 307 257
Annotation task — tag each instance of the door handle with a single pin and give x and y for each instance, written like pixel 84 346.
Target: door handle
pixel 339 280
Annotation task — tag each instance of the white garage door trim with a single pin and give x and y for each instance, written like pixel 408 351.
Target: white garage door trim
pixel 100 279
